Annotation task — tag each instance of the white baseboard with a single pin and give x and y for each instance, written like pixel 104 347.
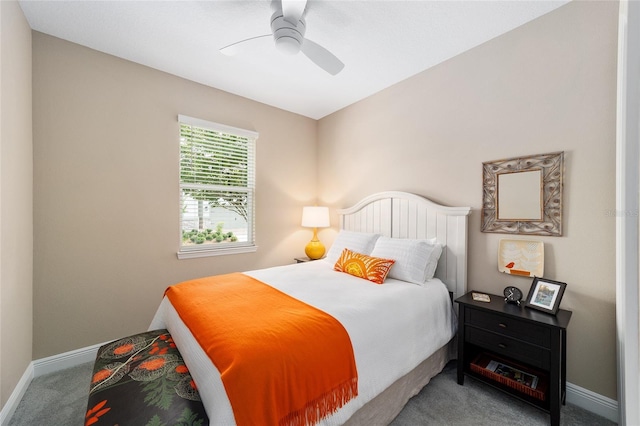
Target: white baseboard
pixel 43 366
pixel 65 360
pixel 576 395
pixel 16 396
pixel 593 402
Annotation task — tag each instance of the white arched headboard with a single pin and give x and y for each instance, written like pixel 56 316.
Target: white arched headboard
pixel 398 214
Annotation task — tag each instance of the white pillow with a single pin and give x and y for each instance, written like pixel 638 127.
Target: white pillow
pixel 360 242
pixel 416 260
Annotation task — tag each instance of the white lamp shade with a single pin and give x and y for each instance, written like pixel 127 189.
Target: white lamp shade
pixel 315 217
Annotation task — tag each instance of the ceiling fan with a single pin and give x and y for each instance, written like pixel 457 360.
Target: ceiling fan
pixel 288 27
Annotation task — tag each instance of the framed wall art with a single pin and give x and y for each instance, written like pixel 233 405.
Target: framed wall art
pixel 521 257
pixel 523 195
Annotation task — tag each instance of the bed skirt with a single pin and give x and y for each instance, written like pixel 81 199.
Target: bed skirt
pixel 386 406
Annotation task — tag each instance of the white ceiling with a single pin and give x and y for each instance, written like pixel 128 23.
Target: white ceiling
pixel 380 42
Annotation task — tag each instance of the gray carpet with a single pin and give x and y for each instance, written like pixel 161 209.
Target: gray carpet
pixel 59 399
pixel 444 402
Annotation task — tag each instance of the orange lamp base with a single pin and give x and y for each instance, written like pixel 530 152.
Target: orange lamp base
pixel 315 249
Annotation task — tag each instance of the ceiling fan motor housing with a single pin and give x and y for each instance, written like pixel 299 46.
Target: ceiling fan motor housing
pixel 287 36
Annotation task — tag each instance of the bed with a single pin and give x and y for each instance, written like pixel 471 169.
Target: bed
pixel 400 331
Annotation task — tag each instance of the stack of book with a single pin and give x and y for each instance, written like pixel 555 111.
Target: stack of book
pixel 516 376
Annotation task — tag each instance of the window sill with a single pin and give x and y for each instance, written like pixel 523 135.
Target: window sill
pixel 193 254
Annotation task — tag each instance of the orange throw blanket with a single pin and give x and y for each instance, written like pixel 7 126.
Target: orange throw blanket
pixel 282 361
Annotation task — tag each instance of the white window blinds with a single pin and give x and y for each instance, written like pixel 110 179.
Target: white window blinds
pixel 217 182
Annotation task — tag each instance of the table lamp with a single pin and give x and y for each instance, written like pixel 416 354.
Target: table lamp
pixel 315 217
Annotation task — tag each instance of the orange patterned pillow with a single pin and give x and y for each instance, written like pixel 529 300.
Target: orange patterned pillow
pixel 362 266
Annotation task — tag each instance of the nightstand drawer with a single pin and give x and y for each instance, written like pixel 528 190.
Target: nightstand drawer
pixel 521 330
pixel 530 354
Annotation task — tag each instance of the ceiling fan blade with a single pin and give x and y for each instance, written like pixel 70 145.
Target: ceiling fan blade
pixel 292 10
pixel 322 57
pixel 233 48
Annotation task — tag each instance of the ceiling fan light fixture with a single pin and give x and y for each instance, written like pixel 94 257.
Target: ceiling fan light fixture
pixel 288 45
pixel 287 36
pixel 288 28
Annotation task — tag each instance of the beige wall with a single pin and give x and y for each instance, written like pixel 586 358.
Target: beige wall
pixel 105 175
pixel 106 190
pixel 16 182
pixel 547 86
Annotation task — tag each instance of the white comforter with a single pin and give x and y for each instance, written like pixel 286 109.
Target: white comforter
pixel 393 327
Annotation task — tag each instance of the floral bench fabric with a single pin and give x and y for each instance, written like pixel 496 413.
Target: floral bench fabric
pixel 141 380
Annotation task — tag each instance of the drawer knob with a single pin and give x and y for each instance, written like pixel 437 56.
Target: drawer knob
pixel 503 325
pixel 502 346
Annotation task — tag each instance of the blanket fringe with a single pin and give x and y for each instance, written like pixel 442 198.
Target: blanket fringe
pixel 323 406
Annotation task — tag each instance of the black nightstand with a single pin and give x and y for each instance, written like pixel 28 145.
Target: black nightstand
pixel 522 338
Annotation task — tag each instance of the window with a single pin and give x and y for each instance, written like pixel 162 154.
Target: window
pixel 217 181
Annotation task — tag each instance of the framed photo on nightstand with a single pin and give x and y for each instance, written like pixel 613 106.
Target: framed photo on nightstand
pixel 545 295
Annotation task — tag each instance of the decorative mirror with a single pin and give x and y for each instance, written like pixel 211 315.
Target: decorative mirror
pixel 523 195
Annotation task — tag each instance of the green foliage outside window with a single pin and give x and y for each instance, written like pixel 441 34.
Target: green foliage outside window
pixel 200 236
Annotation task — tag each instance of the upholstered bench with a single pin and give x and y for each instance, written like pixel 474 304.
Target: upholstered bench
pixel 141 380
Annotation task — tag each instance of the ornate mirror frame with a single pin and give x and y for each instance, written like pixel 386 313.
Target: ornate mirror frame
pixel 552 168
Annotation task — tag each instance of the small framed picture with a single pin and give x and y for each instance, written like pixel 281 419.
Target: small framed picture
pixel 545 295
